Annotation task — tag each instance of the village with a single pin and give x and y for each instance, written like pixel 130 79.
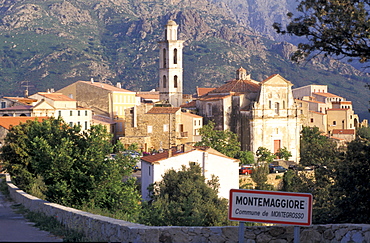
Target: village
pixel 165 122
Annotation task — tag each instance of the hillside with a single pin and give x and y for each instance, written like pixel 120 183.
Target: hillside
pixel 50 44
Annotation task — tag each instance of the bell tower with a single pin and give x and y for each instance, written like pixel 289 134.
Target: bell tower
pixel 170 66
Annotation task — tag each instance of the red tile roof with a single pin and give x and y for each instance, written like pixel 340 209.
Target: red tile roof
pixel 189 105
pixel 105 86
pixel 18 107
pixel 191 114
pixel 23 100
pixel 214 97
pixel 343 131
pixel 238 86
pixel 9 121
pixel 330 95
pixel 163 110
pixel 204 91
pixel 56 96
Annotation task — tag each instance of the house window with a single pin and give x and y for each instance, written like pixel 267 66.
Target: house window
pixel 196 131
pixel 277 108
pixel 175 56
pixel 283 104
pixel 164 58
pixel 165 127
pixel 78 123
pixel 71 124
pixel 85 125
pixel 175 81
pixel 334 123
pixel 311 120
pixel 3 104
pixel 150 129
pixel 85 113
pixel 71 113
pixel 209 109
pixel 195 122
pixel 78 113
pixel 164 81
pixel 269 104
pixel 350 117
pixel 59 113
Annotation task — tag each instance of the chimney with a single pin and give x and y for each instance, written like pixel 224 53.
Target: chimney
pixel 92 80
pixel 119 85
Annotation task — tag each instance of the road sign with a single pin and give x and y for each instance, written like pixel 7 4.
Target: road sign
pixel 270 207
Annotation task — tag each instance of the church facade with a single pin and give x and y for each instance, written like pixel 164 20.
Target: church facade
pixel 262 114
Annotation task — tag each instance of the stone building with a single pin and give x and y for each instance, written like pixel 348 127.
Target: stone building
pixel 104 99
pixel 160 127
pixel 262 114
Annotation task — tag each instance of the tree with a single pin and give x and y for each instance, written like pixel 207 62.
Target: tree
pixel 338 27
pixel 225 142
pixel 283 153
pixel 363 132
pixel 352 184
pixel 184 198
pixel 245 157
pixel 69 166
pixel 265 155
pixel 316 149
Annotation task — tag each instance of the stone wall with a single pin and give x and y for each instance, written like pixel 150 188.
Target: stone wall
pixel 100 228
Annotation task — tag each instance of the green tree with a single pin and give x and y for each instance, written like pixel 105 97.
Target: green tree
pixel 184 198
pixel 70 166
pixel 245 157
pixel 265 155
pixel 259 176
pixel 283 153
pixel 225 142
pixel 352 184
pixel 363 132
pixel 338 27
pixel 316 149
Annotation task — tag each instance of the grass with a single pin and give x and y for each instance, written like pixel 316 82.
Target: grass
pixel 43 221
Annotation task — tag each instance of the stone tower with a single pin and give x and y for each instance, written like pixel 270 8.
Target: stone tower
pixel 170 66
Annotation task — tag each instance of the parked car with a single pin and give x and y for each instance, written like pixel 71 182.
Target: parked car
pixel 277 169
pixel 245 170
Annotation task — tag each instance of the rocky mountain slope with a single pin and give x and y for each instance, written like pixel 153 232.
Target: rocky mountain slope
pixel 50 44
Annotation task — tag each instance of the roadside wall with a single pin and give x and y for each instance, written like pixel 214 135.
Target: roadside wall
pixel 100 228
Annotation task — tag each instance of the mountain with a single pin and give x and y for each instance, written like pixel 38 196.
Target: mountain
pixel 50 44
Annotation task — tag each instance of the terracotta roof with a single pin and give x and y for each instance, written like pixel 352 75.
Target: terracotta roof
pixel 22 100
pixel 327 95
pixel 338 109
pixel 214 97
pixel 189 105
pixel 154 159
pixel 56 96
pixel 106 86
pixel 342 102
pixel 9 121
pixel 191 114
pixel 204 91
pixel 148 96
pixel 343 131
pixel 316 112
pixel 239 86
pixel 163 110
pixel 17 107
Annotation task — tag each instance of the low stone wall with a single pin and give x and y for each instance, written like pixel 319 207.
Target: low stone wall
pixel 100 228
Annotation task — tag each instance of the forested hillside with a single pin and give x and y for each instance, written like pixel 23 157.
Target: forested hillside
pixel 50 44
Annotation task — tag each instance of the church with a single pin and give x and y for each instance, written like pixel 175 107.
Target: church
pixel 262 114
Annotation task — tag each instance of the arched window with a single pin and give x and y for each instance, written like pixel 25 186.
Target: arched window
pixel 269 104
pixel 175 56
pixel 164 81
pixel 164 58
pixel 175 81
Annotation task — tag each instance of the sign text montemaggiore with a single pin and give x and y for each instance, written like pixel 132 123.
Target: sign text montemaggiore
pixel 270 207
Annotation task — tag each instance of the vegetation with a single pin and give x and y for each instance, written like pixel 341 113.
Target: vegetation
pixel 283 153
pixel 225 142
pixel 184 198
pixel 64 165
pixel 337 28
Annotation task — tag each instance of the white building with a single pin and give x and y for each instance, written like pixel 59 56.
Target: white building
pixel 170 66
pixel 212 162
